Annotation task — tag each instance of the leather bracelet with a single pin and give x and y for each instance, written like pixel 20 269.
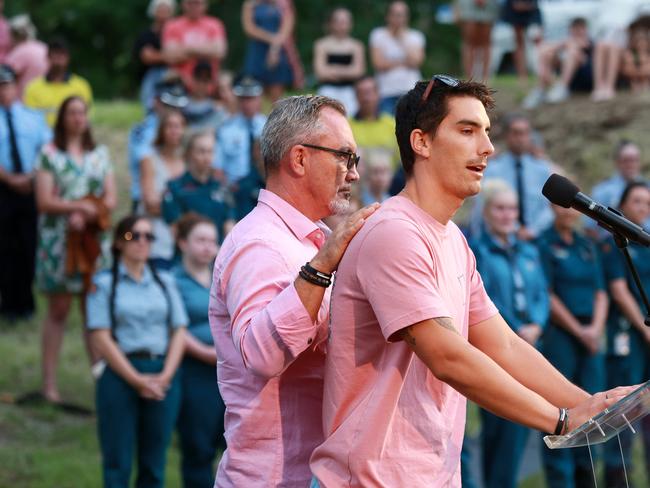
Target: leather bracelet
pixel 314 279
pixel 562 422
pixel 311 270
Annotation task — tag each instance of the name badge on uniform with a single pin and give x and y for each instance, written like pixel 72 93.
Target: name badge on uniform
pixel 560 252
pixel 622 344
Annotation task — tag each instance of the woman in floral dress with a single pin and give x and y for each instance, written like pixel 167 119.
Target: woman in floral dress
pixel 70 172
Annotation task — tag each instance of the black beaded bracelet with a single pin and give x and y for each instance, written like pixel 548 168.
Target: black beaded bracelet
pixel 562 422
pixel 314 279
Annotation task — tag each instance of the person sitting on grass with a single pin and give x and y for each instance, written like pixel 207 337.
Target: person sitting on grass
pixel 573 58
pixel 636 60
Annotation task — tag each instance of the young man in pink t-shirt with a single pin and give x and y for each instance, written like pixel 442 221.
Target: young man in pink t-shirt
pixel 413 332
pixel 192 37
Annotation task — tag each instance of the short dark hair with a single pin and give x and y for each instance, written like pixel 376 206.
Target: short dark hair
pixel 58 44
pixel 629 188
pixel 578 22
pixel 412 113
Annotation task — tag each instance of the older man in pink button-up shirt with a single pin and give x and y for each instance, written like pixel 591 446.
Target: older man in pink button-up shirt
pixel 268 322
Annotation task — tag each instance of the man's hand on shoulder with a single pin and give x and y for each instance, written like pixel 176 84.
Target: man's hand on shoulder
pixel 329 256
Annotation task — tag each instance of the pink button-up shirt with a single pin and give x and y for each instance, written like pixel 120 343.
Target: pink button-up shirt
pixel 270 353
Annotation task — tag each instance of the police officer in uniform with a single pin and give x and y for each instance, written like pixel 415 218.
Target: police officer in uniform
pixel 627 336
pixel 23 132
pixel 572 341
pixel 198 190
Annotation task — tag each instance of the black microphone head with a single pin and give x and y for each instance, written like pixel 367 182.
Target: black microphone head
pixel 560 190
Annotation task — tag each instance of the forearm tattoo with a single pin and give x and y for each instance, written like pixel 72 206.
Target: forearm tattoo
pixel 407 337
pixel 445 322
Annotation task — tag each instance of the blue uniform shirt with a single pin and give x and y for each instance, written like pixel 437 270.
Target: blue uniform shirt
pixel 140 142
pixel 608 193
pixel 573 271
pixel 31 131
pixel 196 298
pixel 537 209
pixel 616 268
pixel 513 279
pixel 233 148
pixel 141 310
pixel 210 199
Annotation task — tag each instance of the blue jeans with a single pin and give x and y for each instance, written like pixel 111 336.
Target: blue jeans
pixel 148 86
pixel 126 420
pixel 200 423
pixel 503 444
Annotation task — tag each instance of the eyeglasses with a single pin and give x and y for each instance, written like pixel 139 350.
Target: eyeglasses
pixel 435 79
pixel 136 236
pixel 352 158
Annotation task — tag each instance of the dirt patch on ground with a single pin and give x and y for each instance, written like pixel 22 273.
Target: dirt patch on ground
pixel 580 135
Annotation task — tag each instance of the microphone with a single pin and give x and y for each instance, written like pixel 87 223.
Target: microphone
pixel 564 193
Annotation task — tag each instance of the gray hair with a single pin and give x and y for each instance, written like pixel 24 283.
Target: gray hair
pixel 493 189
pixel 291 121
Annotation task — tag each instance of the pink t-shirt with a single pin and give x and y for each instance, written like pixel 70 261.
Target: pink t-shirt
pixel 271 354
pixel 29 60
pixel 189 33
pixel 388 421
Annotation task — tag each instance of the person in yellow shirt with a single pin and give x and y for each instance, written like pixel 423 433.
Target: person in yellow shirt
pixel 370 127
pixel 46 93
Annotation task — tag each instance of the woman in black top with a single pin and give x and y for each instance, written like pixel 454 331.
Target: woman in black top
pixel 339 60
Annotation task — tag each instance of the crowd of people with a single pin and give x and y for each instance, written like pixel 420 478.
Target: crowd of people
pixel 209 168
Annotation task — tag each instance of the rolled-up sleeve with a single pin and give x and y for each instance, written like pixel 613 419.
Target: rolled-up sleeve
pixel 270 325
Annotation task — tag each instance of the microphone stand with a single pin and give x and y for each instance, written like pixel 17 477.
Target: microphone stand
pixel 622 242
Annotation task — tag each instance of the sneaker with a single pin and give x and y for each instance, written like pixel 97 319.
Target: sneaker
pixel 559 93
pixel 534 99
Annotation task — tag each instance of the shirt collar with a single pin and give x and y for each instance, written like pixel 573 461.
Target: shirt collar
pixel 298 223
pixel 146 274
pixel 555 238
pixel 496 244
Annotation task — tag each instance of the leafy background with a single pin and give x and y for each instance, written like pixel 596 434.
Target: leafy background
pixel 101 33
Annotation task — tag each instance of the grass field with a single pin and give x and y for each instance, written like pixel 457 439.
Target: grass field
pixel 42 447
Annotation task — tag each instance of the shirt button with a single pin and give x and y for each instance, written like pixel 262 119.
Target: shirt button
pixel 309 341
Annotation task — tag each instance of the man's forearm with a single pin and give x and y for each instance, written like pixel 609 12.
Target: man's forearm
pixel 530 368
pixel 475 375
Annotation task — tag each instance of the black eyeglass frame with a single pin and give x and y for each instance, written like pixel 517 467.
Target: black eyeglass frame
pixel 450 81
pixel 353 158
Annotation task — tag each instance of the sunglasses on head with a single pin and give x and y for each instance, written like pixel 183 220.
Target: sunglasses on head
pixel 136 236
pixel 436 79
